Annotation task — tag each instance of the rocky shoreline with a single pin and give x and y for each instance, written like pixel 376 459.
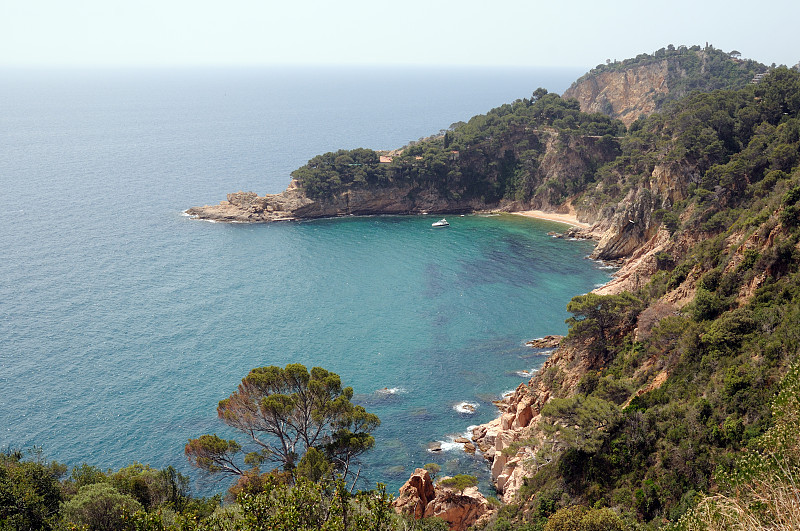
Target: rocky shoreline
pixel 292 204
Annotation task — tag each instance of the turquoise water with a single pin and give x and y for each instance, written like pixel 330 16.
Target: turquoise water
pixel 124 322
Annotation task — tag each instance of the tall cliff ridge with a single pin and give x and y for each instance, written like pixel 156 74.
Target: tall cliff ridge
pixel 630 89
pixel 624 94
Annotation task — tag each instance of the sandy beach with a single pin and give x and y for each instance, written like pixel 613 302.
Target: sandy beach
pixel 569 219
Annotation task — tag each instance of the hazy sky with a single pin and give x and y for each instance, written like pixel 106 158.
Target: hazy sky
pixel 574 33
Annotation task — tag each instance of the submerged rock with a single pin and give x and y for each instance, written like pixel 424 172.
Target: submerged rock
pixel 551 341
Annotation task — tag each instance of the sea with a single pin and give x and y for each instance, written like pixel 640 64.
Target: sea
pixel 123 321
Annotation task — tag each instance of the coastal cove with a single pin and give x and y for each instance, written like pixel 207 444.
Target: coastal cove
pixel 127 322
pixel 592 323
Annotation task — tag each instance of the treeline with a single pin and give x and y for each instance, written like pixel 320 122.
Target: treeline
pixel 39 494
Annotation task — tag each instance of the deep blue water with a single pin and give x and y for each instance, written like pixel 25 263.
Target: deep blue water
pixel 123 322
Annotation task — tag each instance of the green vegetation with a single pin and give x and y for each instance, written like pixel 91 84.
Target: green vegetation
pixel 34 494
pixel 598 319
pixel 289 415
pixel 38 494
pixel 30 492
pixel 301 421
pixel 652 452
pixel 459 482
pixel 100 507
pixel 501 155
pixel 582 519
pixel 492 157
pixel 685 415
pixel 691 69
pixel 760 489
pixel 433 469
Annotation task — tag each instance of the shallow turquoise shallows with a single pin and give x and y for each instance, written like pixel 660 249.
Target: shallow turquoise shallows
pixel 124 322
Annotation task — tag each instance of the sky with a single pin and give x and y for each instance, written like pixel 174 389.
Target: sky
pixel 508 33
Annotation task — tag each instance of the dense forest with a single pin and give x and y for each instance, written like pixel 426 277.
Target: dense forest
pixel 492 157
pixel 714 444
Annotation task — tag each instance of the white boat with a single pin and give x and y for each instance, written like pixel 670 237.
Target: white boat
pixel 441 223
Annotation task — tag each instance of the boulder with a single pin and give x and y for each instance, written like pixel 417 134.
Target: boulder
pixel 419 498
pixel 524 413
pixel 506 420
pixel 415 494
pixel 460 511
pixel 498 463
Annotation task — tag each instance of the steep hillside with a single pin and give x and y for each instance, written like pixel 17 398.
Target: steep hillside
pixel 666 379
pixel 637 87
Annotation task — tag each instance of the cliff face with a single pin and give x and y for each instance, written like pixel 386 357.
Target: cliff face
pixel 631 224
pixel 293 204
pixel 566 160
pixel 624 94
pixel 420 498
pixel 640 86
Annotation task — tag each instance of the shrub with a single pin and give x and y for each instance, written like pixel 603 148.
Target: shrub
pixel 459 482
pixel 29 493
pixel 100 507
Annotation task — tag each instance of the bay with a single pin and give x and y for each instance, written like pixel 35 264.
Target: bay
pixel 123 322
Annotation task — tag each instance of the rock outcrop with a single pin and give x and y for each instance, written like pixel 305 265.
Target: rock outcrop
pixel 624 94
pixel 415 494
pixel 498 440
pixel 640 86
pixel 515 443
pixel 420 498
pixel 459 510
pixel 633 224
pixel 293 204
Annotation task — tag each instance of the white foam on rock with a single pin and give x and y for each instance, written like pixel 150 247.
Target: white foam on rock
pixel 467 408
pixel 391 391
